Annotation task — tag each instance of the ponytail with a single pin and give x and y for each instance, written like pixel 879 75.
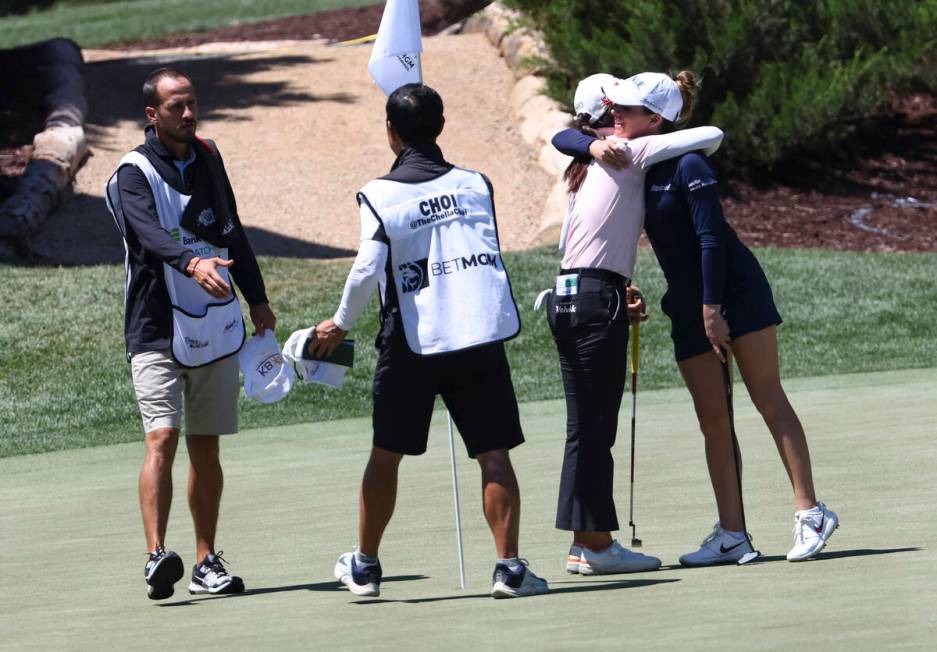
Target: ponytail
pixel 686 83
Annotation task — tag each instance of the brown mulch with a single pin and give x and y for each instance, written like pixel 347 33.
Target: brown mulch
pixel 337 25
pixel 334 25
pixel 887 202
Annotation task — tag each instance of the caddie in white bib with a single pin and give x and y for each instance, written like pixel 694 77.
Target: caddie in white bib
pixel 445 264
pixel 204 329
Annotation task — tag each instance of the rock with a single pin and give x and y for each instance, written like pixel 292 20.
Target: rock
pixel 525 89
pixel 540 127
pixel 554 212
pixel 552 160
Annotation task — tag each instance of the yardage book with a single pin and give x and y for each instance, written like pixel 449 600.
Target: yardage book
pixel 344 353
pixel 329 370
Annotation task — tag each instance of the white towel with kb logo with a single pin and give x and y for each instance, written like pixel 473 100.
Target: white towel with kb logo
pixel 451 285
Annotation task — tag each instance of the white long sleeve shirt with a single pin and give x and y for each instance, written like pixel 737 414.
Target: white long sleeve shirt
pixel 367 272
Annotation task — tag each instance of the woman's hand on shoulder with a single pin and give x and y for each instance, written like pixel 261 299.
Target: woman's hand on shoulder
pixel 609 152
pixel 717 330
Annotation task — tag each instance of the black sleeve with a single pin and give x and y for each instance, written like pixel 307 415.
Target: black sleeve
pixel 245 270
pixel 139 212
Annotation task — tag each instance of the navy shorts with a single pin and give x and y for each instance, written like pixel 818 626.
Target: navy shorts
pixel 475 384
pixel 746 311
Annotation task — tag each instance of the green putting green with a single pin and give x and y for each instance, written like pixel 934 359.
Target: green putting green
pixel 72 549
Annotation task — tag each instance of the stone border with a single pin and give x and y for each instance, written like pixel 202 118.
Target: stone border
pixel 540 117
pixel 58 150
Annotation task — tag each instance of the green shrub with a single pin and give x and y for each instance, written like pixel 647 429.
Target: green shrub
pixel 785 78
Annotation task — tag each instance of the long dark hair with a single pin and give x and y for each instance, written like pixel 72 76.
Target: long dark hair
pixel 575 172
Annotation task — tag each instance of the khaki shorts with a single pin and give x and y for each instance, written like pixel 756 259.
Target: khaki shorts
pixel 211 394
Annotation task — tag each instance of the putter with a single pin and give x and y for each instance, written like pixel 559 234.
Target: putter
pixel 635 356
pixel 753 554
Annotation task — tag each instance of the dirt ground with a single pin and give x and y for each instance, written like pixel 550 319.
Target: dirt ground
pixel 301 129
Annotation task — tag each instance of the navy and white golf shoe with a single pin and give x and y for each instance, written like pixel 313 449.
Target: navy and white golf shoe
pixel 361 578
pixel 518 582
pixel 210 576
pixel 163 569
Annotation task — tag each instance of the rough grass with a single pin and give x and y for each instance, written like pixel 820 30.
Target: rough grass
pixel 65 382
pixel 93 24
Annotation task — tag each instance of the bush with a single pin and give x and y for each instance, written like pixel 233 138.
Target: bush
pixel 786 79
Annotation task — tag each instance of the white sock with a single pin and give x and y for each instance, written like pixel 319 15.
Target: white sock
pixel 513 563
pixel 364 559
pixel 734 534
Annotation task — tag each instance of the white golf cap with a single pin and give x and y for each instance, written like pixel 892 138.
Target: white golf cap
pixel 653 90
pixel 267 375
pixel 312 371
pixel 590 98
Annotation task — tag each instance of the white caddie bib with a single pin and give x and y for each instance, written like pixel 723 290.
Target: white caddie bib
pixel 452 289
pixel 203 329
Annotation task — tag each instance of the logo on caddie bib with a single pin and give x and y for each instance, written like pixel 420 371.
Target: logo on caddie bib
pixel 413 276
pixel 206 217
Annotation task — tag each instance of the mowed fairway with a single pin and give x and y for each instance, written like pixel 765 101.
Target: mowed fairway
pixel 71 546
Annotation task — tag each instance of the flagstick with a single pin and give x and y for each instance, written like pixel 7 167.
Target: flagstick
pixel 455 494
pixel 419 69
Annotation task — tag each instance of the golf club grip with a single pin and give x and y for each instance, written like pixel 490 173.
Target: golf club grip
pixel 635 352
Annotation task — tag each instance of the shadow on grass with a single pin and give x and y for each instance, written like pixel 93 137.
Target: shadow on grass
pixel 574 587
pixel 326 587
pixel 824 556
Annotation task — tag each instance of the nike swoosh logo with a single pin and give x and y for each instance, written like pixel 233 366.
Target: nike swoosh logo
pixel 724 550
pixel 819 529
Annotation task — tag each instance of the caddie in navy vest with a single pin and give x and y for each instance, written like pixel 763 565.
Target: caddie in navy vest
pixel 173 203
pixel 430 241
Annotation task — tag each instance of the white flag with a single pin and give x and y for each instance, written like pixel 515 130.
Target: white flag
pixel 395 59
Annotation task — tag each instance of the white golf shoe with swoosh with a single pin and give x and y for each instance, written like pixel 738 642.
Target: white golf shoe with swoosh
pixel 812 529
pixel 719 547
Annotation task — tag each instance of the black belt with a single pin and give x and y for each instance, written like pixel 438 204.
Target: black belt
pixel 601 274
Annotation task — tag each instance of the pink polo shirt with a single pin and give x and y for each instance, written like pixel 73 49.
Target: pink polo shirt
pixel 604 218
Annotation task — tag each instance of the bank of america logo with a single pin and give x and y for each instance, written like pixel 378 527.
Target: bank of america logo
pixel 413 276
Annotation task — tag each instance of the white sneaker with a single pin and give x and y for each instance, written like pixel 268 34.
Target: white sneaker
pixel 615 559
pixel 518 583
pixel 719 547
pixel 361 579
pixel 812 529
pixel 572 559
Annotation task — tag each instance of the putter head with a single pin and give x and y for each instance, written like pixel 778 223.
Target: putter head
pixel 748 557
pixel 635 542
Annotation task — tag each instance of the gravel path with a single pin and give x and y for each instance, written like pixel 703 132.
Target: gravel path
pixel 300 126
